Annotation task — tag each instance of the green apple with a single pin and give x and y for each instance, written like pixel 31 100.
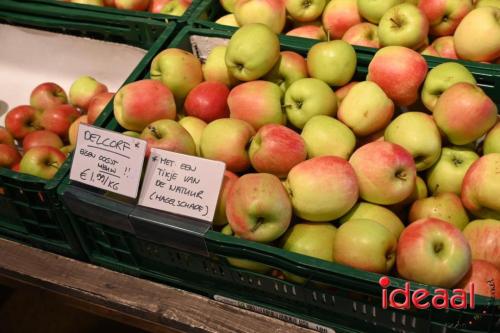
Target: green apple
pixel 215 69
pixel 403 25
pixel 83 89
pixel 310 239
pixel 337 181
pixel 447 174
pixel 168 135
pixel 229 20
pixel 42 161
pixel 305 11
pixel 487 3
pixel 252 51
pixel 272 13
pixel 416 132
pixel 132 134
pixel 66 150
pixel 441 78
pixel 195 127
pixel 483 236
pixel 228 5
pixel 333 62
pixel 377 213
pixel 306 98
pixel 366 109
pixel 492 141
pixel 365 244
pixel 445 206
pixel 325 135
pixel 373 10
pixel 290 68
pixel 179 70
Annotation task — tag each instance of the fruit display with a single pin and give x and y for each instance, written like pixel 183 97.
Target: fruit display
pixel 38 137
pixel 169 7
pixel 454 29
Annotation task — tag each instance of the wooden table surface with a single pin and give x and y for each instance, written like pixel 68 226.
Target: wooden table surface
pixel 144 304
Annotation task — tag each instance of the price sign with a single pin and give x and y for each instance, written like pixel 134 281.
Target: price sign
pixel 182 184
pixel 108 160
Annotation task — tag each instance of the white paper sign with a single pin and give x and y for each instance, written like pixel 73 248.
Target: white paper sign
pixel 182 184
pixel 108 160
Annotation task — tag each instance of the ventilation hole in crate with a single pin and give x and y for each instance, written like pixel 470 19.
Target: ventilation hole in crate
pixel 374 312
pixel 323 296
pixel 403 320
pixel 276 287
pixel 315 296
pixel 413 322
pixel 333 300
pixel 294 291
pixel 259 282
pixel 364 309
pixel 242 278
pixel 354 306
pixel 285 289
pixel 221 270
pixel 250 280
pixel 393 317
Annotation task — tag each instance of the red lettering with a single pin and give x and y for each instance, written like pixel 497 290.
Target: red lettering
pixel 418 296
pixel 441 295
pixel 405 292
pixel 459 299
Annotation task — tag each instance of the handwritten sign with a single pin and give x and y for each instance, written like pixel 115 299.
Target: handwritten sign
pixel 182 184
pixel 108 160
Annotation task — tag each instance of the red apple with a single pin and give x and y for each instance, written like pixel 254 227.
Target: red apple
pixel 132 4
pixel 484 239
pixel 47 96
pixel 445 47
pixel 16 167
pixel 97 105
pixel 308 31
pixel 444 15
pixel 73 129
pixel 42 138
pixel 22 120
pixel 228 181
pixel 43 162
pixel 83 89
pixel 485 277
pixel 6 137
pixel 339 16
pixel 8 155
pixel 208 101
pixel 59 119
pixel 362 34
pixel 168 135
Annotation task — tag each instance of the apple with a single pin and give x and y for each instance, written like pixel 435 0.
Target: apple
pixel 485 277
pixel 97 105
pixel 445 206
pixel 476 37
pixel 9 156
pixel 155 6
pixel 419 192
pixel 337 181
pixel 83 89
pixel 42 138
pixel 22 120
pixel 308 31
pixel 168 135
pixel 229 20
pixel 195 127
pixel 132 134
pixel 460 106
pixel 132 4
pixel 379 214
pixel 417 133
pixel 384 165
pixel 433 252
pixel 366 245
pixel 140 103
pixel 173 7
pixel 430 51
pixel 447 174
pixel 290 67
pixel 59 119
pixel 47 95
pixel 393 65
pixel 306 98
pixel 276 149
pixel 366 109
pixel 487 3
pixel 43 162
pixel 88 2
pixel 344 90
pixel 362 34
pixel 333 62
pixel 481 186
pixel 73 129
pixel 228 5
pixel 445 15
pixel 311 239
pixel 271 13
pixel 252 51
pixel 373 10
pixel 207 101
pixel 256 102
pixel 228 181
pixel 441 78
pixel 304 11
pixel 483 237
pixel 66 150
pixel 6 137
pixel 403 25
pixel 324 135
pixel 445 47
pixel 15 167
pixel 491 143
pixel 226 140
pixel 109 3
pixel 215 69
pixel 258 207
pixel 177 69
pixel 339 16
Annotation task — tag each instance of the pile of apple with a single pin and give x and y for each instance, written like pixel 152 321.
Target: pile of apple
pixel 38 137
pixel 465 29
pixel 170 7
pixel 343 175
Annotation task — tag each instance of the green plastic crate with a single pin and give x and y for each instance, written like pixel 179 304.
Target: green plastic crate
pixel 168 248
pixel 30 210
pixel 488 75
pixel 125 13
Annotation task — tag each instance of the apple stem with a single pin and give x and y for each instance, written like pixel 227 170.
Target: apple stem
pixel 54 165
pixel 259 222
pixel 401 175
pixel 328 35
pixel 154 132
pixel 397 23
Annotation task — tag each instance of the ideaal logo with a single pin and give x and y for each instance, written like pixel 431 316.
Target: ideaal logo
pixel 440 300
